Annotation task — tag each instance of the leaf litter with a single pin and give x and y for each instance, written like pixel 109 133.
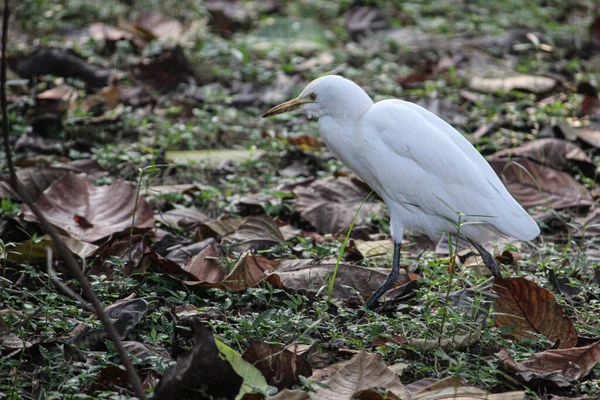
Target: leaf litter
pixel 257 269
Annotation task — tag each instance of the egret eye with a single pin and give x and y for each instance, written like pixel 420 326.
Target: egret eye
pixel 313 96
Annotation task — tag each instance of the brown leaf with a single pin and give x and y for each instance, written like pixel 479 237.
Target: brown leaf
pixel 530 309
pixel 383 340
pixel 430 384
pixel 256 233
pixel 305 143
pixel 312 276
pixel 363 371
pixel 528 83
pixel 157 26
pixel 455 342
pixel 130 250
pixel 220 227
pixel 374 248
pixel 109 209
pixel 374 394
pixel 248 271
pixel 591 102
pixel 554 153
pixel 287 394
pixel 509 257
pixel 280 367
pixel 329 205
pixel 100 31
pixel 165 71
pixel 189 219
pixel 467 393
pixel 227 16
pixel 533 184
pixel 35 180
pixel 207 266
pixel 562 367
pixel 589 136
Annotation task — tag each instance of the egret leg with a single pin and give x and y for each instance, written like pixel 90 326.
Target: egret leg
pixel 390 280
pixel 488 259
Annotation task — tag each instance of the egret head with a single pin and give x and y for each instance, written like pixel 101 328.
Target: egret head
pixel 329 95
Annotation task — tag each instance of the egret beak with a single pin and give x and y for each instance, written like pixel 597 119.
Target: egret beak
pixel 289 105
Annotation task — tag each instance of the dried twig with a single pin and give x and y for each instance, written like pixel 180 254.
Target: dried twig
pixel 65 253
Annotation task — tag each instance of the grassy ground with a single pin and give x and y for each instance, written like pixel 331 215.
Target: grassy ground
pixel 243 64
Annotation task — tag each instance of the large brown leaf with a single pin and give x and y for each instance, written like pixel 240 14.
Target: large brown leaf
pixel 207 266
pixel 530 309
pixel 561 367
pixel 248 271
pixel 280 367
pixel 256 233
pixel 554 153
pixel 362 372
pixel 329 205
pixel 37 179
pixel 533 184
pixel 89 213
pixel 313 276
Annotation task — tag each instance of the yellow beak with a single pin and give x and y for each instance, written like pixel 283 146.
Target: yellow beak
pixel 290 105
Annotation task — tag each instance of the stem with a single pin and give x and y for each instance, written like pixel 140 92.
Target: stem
pixel 343 248
pixel 452 268
pixel 64 251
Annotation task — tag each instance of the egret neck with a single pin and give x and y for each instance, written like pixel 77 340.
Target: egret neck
pixel 339 124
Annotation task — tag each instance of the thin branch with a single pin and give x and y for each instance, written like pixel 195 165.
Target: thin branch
pixel 63 250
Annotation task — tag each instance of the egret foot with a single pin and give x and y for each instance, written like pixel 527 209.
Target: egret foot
pixel 488 259
pixel 390 280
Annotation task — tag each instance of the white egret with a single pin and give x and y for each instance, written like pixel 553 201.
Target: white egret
pixel 425 171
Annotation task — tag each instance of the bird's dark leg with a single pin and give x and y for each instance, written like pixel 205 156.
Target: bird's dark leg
pixel 488 259
pixel 391 279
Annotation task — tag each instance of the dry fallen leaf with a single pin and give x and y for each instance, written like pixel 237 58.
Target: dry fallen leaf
pixel 589 136
pixel 107 209
pixel 256 233
pixel 529 83
pixel 374 248
pixel 156 26
pixel 562 367
pixel 281 368
pixel 248 271
pixel 352 282
pixel 532 184
pixel 35 180
pixel 189 219
pixel 220 227
pixel 329 205
pixel 554 153
pixel 363 371
pixel 529 309
pixel 207 266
